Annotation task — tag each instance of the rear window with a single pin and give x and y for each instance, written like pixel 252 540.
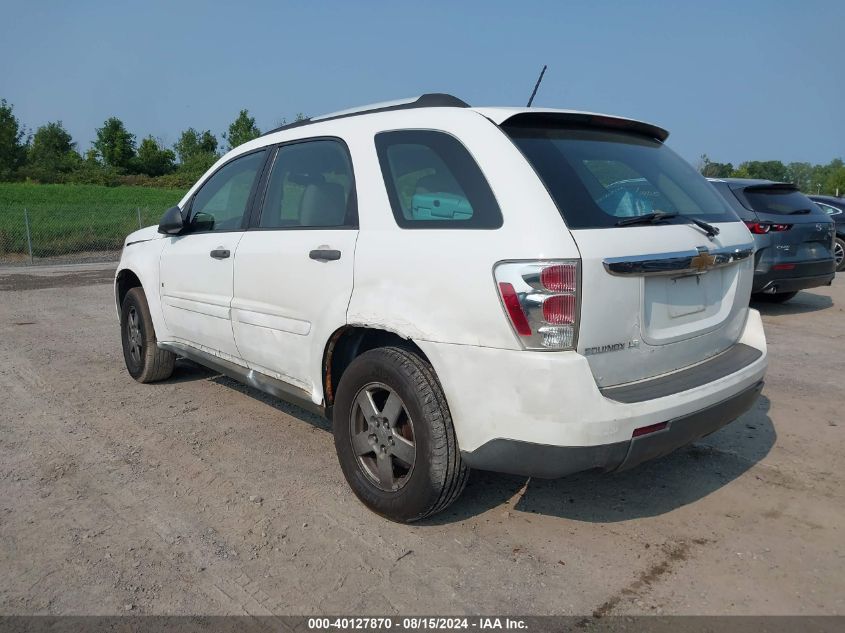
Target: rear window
pixel 433 182
pixel 599 177
pixel 779 201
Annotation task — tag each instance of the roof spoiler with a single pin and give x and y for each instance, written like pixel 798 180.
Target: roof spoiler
pixel 763 186
pixel 586 120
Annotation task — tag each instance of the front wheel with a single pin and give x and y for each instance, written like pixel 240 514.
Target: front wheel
pixel 394 437
pixel 144 360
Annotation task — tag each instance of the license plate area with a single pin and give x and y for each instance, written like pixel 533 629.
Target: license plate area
pixel 685 295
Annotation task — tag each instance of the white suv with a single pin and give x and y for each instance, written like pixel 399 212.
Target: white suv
pixel 529 291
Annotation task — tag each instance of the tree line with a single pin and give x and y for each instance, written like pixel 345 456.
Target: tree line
pixel 50 155
pixel 826 179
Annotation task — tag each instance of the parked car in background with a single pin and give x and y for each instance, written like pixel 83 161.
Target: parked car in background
pixel 531 291
pixel 794 238
pixel 835 208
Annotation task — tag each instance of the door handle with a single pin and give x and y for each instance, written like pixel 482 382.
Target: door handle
pixel 220 253
pixel 324 255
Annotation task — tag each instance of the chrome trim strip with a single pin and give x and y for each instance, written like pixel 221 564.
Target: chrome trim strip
pixel 677 263
pixel 249 377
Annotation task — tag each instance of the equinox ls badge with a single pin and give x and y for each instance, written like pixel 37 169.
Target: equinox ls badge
pixel 612 347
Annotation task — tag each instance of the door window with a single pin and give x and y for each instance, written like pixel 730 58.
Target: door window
pixel 311 186
pixel 222 201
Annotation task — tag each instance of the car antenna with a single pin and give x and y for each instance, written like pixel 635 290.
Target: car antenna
pixel 537 85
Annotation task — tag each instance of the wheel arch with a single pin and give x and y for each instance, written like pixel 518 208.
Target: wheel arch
pixel 350 341
pixel 124 281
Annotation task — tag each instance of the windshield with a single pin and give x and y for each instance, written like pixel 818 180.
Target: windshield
pixel 779 200
pixel 599 177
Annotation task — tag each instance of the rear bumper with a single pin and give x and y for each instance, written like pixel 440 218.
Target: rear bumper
pixel 543 413
pixel 804 275
pixel 794 284
pixel 549 462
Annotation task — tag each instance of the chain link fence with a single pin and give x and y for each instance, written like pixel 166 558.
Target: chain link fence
pixel 68 235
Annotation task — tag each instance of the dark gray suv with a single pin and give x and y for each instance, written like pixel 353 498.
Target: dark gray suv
pixel 835 208
pixel 794 238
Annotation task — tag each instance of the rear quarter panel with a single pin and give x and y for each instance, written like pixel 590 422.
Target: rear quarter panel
pixel 437 284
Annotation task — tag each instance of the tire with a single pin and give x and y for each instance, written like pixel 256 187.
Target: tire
pixel 839 252
pixel 411 467
pixel 780 297
pixel 144 360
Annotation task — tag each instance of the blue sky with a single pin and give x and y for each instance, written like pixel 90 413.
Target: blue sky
pixel 736 80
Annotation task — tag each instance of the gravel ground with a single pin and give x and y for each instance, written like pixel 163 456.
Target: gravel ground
pixel 200 496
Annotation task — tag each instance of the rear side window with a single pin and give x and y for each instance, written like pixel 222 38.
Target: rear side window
pixel 599 177
pixel 778 200
pixel 727 193
pixel 433 182
pixel 827 208
pixel 311 186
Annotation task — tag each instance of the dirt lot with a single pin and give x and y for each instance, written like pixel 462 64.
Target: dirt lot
pixel 201 496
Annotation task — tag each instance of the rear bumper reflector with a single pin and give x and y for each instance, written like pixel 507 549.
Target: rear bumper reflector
pixel 651 428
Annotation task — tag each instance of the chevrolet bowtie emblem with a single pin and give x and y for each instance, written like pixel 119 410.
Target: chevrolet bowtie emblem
pixel 703 261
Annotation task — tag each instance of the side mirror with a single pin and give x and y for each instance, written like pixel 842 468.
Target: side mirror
pixel 171 222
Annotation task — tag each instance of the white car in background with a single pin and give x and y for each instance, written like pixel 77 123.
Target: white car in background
pixel 528 291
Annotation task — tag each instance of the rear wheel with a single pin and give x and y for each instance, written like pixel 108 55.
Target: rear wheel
pixel 144 360
pixel 780 297
pixel 839 254
pixel 394 436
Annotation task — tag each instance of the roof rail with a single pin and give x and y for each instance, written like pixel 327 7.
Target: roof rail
pixel 429 100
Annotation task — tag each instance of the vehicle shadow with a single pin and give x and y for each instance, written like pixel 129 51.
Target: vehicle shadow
pixel 651 489
pixel 803 303
pixel 188 371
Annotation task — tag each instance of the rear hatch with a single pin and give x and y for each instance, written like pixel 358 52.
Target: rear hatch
pixel 799 232
pixel 657 292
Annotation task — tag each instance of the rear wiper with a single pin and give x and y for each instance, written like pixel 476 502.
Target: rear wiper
pixel 712 231
pixel 800 211
pixel 648 218
pixel 657 216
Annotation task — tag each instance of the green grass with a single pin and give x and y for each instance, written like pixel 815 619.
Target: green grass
pixel 67 219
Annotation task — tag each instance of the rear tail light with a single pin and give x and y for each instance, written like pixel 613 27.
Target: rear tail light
pixel 540 299
pixel 761 228
pixel 758 228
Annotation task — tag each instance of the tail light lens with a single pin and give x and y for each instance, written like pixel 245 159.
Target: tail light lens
pixel 514 310
pixel 540 299
pixel 559 278
pixel 761 228
pixel 758 228
pixel 559 309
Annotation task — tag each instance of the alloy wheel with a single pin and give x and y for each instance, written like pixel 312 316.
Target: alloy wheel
pixel 133 335
pixel 382 435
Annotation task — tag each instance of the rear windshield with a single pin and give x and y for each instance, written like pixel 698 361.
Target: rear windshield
pixel 599 177
pixel 779 201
